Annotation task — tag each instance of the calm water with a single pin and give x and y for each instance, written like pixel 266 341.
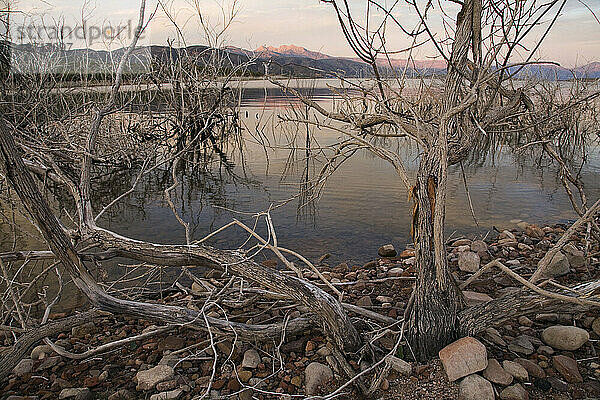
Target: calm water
pixel 362 206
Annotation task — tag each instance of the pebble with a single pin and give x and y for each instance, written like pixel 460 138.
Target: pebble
pixel 78 393
pixel 468 261
pixel 532 368
pixel 41 351
pixel 514 392
pixel 364 301
pixel 567 338
pixel 463 357
pixel 523 320
pixel 24 366
pixel 171 395
pixel 474 387
pixel 399 365
pixel 516 370
pixel 567 368
pixel 148 379
pixel 251 359
pixel 479 246
pixel 521 345
pixel 558 266
pixel 496 374
pixel 387 250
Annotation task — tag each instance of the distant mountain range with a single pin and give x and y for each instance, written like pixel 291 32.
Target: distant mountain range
pixel 301 62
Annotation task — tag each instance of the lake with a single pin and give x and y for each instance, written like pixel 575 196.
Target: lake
pixel 363 204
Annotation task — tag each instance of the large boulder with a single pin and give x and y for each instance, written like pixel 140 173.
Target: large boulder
pixel 567 338
pixel 148 379
pixel 474 387
pixel 464 357
pixel 468 261
pixel 315 375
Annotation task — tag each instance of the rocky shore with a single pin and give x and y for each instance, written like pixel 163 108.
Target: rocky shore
pixel 542 356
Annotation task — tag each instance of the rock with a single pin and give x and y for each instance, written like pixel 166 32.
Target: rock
pixel 474 387
pixel 596 326
pixel 521 345
pixel 251 359
pixel 122 394
pixel 468 261
pixel 407 254
pixel 244 375
pixel 474 298
pixel 173 394
pixel 535 231
pixel 508 242
pixel 24 366
pixel 247 394
pixel 48 363
pixel 364 301
pixel 493 336
pixel 41 351
pixel 568 338
pixel 82 330
pixel 514 392
pixel 463 357
pixel 542 384
pixel 171 343
pixel 558 266
pixel 384 299
pixel 149 378
pixel 165 386
pixel 315 375
pixel 575 256
pixel 558 384
pixel 13 397
pixel 461 242
pixel 506 235
pixel 479 246
pixel 524 321
pixel 516 370
pixel 387 250
pixel 496 374
pixel 532 368
pixel 545 351
pixel 76 393
pixel 567 368
pixel 395 272
pixel 399 365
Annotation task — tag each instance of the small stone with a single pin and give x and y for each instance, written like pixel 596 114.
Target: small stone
pixel 364 301
pixel 567 368
pixel 171 395
pixel 387 250
pixel 41 351
pixel 505 234
pixel 523 320
pixel 575 256
pixel 148 379
pixel 171 343
pixel 82 330
pixel 324 351
pixel 76 393
pixel 474 387
pixel 244 375
pixel 48 363
pixel 558 384
pixel 479 246
pixel 251 359
pixel 468 261
pixel 122 394
pixel 557 267
pixel 315 375
pixel 545 351
pixel 399 365
pixel 24 366
pixel 396 272
pixel 297 381
pixel 474 298
pixel 567 338
pixel 521 345
pixel 596 326
pixel 384 299
pixel 535 231
pixel 532 368
pixel 496 374
pixel 514 392
pixel 493 336
pixel 166 385
pixel 516 370
pixel 463 357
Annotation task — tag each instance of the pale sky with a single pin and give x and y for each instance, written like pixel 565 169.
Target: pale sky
pixel 575 40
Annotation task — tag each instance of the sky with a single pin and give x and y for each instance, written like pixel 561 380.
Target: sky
pixel 574 40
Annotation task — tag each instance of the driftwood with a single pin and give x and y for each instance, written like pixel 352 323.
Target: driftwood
pixel 30 338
